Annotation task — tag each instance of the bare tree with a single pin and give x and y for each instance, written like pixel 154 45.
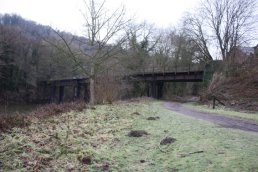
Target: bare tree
pixel 164 51
pixel 102 28
pixel 141 42
pixel 196 30
pixel 229 23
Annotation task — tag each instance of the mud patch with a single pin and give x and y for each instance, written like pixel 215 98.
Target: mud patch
pixel 137 133
pixel 142 161
pixel 153 118
pixel 167 141
pixel 136 113
pixel 87 160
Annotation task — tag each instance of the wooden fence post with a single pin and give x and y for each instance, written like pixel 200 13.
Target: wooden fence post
pixel 214 103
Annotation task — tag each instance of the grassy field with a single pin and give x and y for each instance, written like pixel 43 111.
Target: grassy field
pixel 97 140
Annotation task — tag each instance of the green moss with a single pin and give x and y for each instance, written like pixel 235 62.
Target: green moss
pixel 102 135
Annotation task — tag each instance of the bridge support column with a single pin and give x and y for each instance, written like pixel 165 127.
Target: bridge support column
pixel 155 89
pixel 86 93
pixel 159 90
pixel 76 92
pixel 149 89
pixel 53 94
pixel 61 94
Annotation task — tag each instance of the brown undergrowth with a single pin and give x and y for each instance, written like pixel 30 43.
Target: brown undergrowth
pixel 21 120
pixel 238 90
pixel 57 109
pixel 17 120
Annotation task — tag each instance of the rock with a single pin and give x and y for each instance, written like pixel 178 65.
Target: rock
pixel 167 141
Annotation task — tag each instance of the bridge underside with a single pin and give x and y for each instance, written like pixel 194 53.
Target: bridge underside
pixel 54 90
pixel 155 83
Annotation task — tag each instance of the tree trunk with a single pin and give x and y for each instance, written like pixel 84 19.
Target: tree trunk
pixel 92 85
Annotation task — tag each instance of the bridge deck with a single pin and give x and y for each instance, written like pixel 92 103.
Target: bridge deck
pixel 192 76
pixel 65 82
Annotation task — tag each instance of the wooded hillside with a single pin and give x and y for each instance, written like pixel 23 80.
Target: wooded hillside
pixel 30 52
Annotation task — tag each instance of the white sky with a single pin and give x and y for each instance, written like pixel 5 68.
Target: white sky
pixel 65 14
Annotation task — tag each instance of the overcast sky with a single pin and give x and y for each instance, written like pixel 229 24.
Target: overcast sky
pixel 65 14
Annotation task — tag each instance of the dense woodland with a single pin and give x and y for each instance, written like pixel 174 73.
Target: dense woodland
pixel 30 52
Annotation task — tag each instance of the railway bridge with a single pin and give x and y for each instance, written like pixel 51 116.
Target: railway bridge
pixel 154 80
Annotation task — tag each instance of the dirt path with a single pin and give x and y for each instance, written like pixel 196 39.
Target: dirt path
pixel 213 117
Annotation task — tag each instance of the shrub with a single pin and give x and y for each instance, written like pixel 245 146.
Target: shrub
pixel 109 89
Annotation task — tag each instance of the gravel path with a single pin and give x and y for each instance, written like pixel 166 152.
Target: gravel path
pixel 213 117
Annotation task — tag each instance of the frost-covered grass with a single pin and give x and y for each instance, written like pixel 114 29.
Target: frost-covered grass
pixel 225 111
pixel 61 143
